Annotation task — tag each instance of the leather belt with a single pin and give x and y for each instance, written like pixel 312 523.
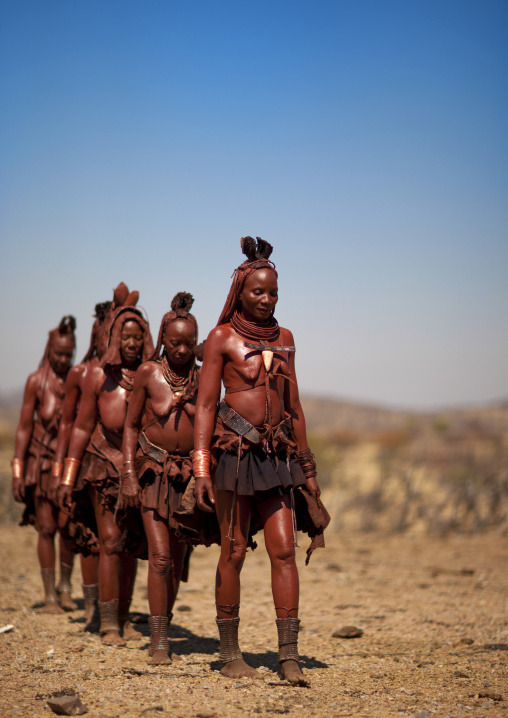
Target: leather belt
pixel 233 420
pixel 151 450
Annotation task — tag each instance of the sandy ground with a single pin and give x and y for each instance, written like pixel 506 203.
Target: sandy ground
pixel 433 611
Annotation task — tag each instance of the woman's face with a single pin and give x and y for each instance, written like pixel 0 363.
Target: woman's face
pixel 259 295
pixel 179 340
pixel 131 342
pixel 61 351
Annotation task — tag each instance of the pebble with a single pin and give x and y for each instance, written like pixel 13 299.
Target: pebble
pixel 67 706
pixel 492 696
pixel 348 632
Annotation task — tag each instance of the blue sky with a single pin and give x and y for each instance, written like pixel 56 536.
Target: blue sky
pixel 366 140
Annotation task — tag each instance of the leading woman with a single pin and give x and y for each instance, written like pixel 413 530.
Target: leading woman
pixel 252 461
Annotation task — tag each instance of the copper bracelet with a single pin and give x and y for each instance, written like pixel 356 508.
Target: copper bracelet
pixel 70 472
pixel 17 468
pixel 56 469
pixel 201 463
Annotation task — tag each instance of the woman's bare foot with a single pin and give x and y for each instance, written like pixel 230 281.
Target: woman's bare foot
pixel 67 603
pixel 129 633
pixel 239 669
pixel 112 638
pixel 290 671
pixel 51 607
pixel 160 657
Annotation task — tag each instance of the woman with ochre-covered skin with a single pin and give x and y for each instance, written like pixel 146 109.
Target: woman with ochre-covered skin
pixel 97 439
pixel 157 472
pixel 253 462
pixel 32 484
pixel 73 390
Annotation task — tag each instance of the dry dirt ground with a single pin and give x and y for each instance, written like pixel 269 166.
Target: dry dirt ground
pixel 433 612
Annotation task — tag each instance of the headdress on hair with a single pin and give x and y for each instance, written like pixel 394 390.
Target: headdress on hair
pixel 123 309
pixel 257 252
pixel 123 298
pixel 101 312
pixel 66 328
pixel 181 305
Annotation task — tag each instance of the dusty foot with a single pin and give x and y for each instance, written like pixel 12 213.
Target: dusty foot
pixel 51 607
pixel 67 603
pixel 159 658
pixel 290 671
pixel 112 638
pixel 239 669
pixel 174 656
pixel 130 633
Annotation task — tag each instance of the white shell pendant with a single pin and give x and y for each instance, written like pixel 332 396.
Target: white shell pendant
pixel 267 359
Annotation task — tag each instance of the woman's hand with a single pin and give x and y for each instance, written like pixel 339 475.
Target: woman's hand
pixel 54 485
pixel 18 489
pixel 205 498
pixel 64 497
pixel 129 495
pixel 312 487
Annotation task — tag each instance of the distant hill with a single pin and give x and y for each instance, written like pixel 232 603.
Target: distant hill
pixel 333 415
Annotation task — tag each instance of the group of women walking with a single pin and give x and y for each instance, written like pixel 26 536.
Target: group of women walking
pixel 131 454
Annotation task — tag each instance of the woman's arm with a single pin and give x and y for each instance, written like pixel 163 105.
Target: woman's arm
pixel 206 407
pixel 69 408
pixel 130 484
pixel 69 411
pixel 87 415
pixel 23 436
pixel 292 399
pixel 81 433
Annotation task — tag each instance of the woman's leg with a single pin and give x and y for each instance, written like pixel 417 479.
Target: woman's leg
pixel 128 571
pixel 277 518
pixel 46 529
pixel 90 578
pixel 178 551
pixel 227 582
pixel 66 563
pixel 159 559
pixel 109 571
pixel 89 569
pixel 159 564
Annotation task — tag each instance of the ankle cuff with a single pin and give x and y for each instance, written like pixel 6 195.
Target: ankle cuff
pixel 109 616
pixel 287 630
pixel 48 581
pixel 158 633
pixel 228 632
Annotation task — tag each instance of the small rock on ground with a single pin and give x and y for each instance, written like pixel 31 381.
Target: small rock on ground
pixel 67 706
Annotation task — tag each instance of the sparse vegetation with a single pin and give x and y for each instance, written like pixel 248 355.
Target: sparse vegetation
pixel 385 470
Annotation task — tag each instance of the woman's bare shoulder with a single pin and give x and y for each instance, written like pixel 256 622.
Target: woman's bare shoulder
pixel 75 374
pixel 147 370
pixel 94 377
pixel 218 337
pixel 34 380
pixel 286 337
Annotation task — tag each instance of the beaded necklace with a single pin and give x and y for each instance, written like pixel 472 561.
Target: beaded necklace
pixel 177 383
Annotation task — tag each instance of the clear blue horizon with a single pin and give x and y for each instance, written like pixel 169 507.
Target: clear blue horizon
pixel 366 141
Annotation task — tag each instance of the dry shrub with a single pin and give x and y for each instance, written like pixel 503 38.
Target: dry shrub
pixel 406 483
